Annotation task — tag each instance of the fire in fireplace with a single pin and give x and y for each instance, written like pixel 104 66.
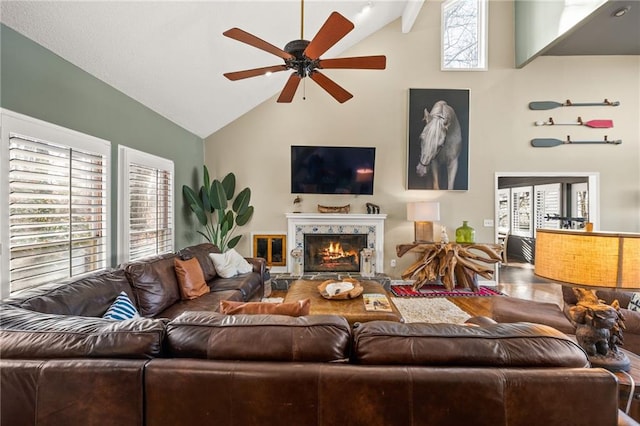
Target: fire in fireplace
pixel 333 252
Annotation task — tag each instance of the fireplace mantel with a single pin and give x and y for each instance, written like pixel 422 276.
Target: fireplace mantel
pixel 297 222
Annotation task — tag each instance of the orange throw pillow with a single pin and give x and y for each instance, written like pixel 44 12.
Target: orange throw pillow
pixel 293 309
pixel 190 278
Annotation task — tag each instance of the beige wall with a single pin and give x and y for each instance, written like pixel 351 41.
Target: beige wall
pixel 257 146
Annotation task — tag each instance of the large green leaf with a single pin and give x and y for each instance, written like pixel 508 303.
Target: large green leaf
pixel 227 222
pixel 234 241
pixel 190 195
pixel 229 184
pixel 205 190
pixel 241 203
pixel 200 214
pixel 242 219
pixel 195 204
pixel 207 181
pixel 206 201
pixel 218 197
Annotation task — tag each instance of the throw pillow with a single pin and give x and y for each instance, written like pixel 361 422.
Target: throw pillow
pixel 224 266
pixel 292 309
pixel 190 278
pixel 242 266
pixel 634 303
pixel 230 263
pixel 121 309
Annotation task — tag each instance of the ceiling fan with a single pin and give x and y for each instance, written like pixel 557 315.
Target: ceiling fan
pixel 303 57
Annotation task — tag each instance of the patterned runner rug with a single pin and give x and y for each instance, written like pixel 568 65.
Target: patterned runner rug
pixel 439 291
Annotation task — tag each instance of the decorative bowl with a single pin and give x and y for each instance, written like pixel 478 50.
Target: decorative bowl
pixel 345 289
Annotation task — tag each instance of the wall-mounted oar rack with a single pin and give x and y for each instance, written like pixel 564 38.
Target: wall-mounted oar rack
pixel 594 124
pixel 551 142
pixel 542 105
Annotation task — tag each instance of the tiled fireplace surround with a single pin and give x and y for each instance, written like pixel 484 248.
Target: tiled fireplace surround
pixel 335 223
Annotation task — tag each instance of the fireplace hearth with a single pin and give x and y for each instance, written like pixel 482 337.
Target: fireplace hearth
pixel 333 252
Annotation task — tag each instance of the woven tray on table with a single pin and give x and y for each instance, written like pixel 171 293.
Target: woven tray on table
pixel 343 295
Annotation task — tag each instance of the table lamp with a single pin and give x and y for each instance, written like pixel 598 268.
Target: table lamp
pixel 592 260
pixel 423 214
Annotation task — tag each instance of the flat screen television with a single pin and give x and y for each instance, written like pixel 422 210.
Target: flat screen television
pixel 332 170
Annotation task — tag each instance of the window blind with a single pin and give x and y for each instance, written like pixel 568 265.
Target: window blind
pixel 57 212
pixel 548 204
pixel 150 211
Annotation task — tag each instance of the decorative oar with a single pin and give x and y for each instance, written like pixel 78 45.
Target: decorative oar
pixel 596 124
pixel 540 105
pixel 550 142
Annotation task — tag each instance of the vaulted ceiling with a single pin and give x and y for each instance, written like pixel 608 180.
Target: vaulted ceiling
pixel 170 55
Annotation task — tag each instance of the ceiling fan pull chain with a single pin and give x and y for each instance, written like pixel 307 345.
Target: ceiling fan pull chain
pixel 304 90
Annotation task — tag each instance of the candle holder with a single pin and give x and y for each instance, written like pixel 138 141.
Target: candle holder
pixel 366 262
pixel 298 269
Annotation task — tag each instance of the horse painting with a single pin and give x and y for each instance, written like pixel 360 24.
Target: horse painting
pixel 440 144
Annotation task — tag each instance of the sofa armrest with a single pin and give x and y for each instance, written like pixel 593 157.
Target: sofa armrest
pixel 27 334
pixel 259 265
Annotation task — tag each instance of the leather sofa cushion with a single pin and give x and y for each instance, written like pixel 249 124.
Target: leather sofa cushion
pixel 90 296
pixel 513 309
pixel 293 309
pixel 316 338
pixel 154 283
pixel 190 278
pixel 26 334
pixel 250 285
pixel 209 302
pixel 497 345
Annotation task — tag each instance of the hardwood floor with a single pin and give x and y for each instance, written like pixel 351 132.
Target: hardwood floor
pixel 515 280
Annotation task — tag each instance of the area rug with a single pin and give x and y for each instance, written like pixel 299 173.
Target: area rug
pixel 439 291
pixel 430 310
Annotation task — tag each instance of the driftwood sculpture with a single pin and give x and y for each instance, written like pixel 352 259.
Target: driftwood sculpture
pixel 599 329
pixel 454 264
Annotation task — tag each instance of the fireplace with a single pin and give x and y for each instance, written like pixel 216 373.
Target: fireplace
pixel 333 252
pixel 368 226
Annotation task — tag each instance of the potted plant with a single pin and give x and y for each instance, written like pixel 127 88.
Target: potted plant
pixel 217 210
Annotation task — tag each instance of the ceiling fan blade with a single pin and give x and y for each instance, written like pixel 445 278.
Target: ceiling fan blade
pixel 361 62
pixel 251 40
pixel 331 87
pixel 334 28
pixel 290 88
pixel 239 75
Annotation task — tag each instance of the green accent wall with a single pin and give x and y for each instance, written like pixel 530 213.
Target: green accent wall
pixel 36 82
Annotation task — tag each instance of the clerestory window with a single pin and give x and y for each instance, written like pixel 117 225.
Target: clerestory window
pixel 464 35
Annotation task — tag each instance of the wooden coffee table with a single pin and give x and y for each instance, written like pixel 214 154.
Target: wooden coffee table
pixel 352 309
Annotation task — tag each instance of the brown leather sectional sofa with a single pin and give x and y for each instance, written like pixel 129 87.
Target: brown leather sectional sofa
pixel 61 364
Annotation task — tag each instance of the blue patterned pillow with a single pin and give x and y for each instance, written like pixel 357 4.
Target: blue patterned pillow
pixel 121 309
pixel 634 303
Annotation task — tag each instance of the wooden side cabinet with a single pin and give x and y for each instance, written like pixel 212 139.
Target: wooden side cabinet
pixel 272 247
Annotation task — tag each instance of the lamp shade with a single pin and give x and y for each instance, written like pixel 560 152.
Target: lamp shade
pixel 589 259
pixel 423 211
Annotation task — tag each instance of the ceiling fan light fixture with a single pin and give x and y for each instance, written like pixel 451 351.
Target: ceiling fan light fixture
pixel 303 58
